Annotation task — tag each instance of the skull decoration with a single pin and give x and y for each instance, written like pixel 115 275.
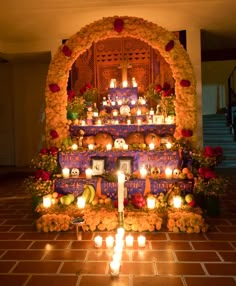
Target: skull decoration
pixel 119 142
pixel 155 172
pixel 176 173
pixel 74 172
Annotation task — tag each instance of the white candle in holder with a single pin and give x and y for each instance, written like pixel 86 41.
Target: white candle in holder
pixel 74 147
pixel 177 201
pixel 129 240
pixel 139 112
pixel 115 267
pixel 115 113
pixel 113 103
pixel 117 256
pixel 88 173
pixel 151 203
pixel 121 191
pixel 83 122
pixel 125 83
pixel 125 146
pixel 128 121
pixel 139 121
pixel 108 147
pixel 143 172
pixel 133 102
pixel 121 231
pixel 81 202
pixel 151 146
pixel 112 83
pixel 98 241
pixel 90 146
pixel 109 241
pixel 141 241
pixel 66 173
pixel 47 201
pixel 168 145
pixel 99 122
pixel 168 173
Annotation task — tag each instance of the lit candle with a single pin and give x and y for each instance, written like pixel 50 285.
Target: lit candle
pixel 88 173
pixel 112 83
pixel 151 146
pixel 125 146
pixel 168 173
pixel 121 191
pixel 159 119
pixel 109 241
pixel 151 112
pixel 121 231
pixel 170 119
pixel 133 102
pixel 118 248
pixel 143 172
pixel 108 147
pixel 47 201
pixel 66 173
pixel 99 122
pixel 125 83
pixel 177 201
pixel 151 202
pixel 141 241
pixel 83 123
pixel 128 121
pixel 129 240
pixel 98 241
pixel 115 113
pixel 95 114
pixel 113 103
pixel 117 122
pixel 90 146
pixel 74 147
pixel 139 121
pixel 81 202
pixel 168 145
pixel 139 112
pixel 117 256
pixel 115 267
pixel 119 102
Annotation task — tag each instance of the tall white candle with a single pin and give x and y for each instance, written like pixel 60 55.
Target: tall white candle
pixel 98 241
pixel 168 173
pixel 121 191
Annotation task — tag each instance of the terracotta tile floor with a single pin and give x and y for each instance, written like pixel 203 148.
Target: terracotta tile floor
pixel 28 258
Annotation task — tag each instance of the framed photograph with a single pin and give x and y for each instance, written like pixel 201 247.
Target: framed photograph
pixel 125 164
pixel 98 165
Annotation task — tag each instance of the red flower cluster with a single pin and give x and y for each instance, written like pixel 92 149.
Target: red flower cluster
pixel 86 87
pixel 212 151
pixel 165 91
pixel 185 83
pixel 54 87
pixel 41 174
pixel 206 173
pixel 66 51
pixel 54 134
pixel 70 95
pixel 49 151
pixel 118 25
pixel 187 133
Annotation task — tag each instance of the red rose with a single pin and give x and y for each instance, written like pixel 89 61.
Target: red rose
pixel 66 51
pixel 53 150
pixel 41 174
pixel 82 90
pixel 54 87
pixel 208 174
pixel 118 25
pixel 44 151
pixel 185 83
pixel 54 134
pixel 70 95
pixel 167 93
pixel 169 46
pixel 208 152
pixel 187 133
pixel 88 86
pixel 158 88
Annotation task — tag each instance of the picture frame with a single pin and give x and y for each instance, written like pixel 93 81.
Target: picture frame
pixel 98 165
pixel 125 164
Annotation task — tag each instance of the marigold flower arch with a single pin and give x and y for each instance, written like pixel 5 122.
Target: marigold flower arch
pixel 156 36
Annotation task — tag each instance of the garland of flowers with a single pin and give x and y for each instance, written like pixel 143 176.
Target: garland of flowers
pixel 154 35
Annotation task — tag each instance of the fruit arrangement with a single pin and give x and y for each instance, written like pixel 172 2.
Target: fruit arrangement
pixel 138 200
pixel 88 193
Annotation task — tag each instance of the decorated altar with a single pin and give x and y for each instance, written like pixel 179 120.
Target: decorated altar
pixel 91 145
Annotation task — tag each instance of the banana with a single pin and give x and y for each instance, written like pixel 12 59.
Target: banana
pixel 92 193
pixel 86 193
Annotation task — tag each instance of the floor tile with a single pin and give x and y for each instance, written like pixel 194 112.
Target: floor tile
pixel 197 256
pixel 104 281
pixel 51 280
pixel 154 281
pixel 221 269
pixel 206 281
pixel 65 254
pixel 23 255
pixel 13 280
pixel 179 268
pixel 50 244
pixel 78 268
pixel 36 267
pixel 161 245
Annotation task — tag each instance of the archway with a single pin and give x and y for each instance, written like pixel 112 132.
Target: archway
pixel 156 36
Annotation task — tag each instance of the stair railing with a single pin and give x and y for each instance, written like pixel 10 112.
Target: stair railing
pixel 232 102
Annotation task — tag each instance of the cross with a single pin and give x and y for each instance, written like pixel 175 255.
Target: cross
pixel 124 66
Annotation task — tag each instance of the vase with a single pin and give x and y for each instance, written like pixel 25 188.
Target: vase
pixel 212 205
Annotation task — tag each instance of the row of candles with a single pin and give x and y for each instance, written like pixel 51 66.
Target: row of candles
pixel 155 119
pixel 118 244
pixel 152 146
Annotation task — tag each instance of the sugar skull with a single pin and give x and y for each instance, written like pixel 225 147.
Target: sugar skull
pixel 74 172
pixel 119 142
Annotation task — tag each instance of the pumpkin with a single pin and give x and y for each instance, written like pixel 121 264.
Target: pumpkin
pixel 166 139
pixel 152 138
pixel 135 138
pixel 88 140
pixel 102 139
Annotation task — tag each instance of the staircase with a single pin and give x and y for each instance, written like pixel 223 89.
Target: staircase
pixel 217 133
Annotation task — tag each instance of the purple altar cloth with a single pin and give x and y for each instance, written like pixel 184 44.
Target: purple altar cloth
pixel 139 158
pixel 122 130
